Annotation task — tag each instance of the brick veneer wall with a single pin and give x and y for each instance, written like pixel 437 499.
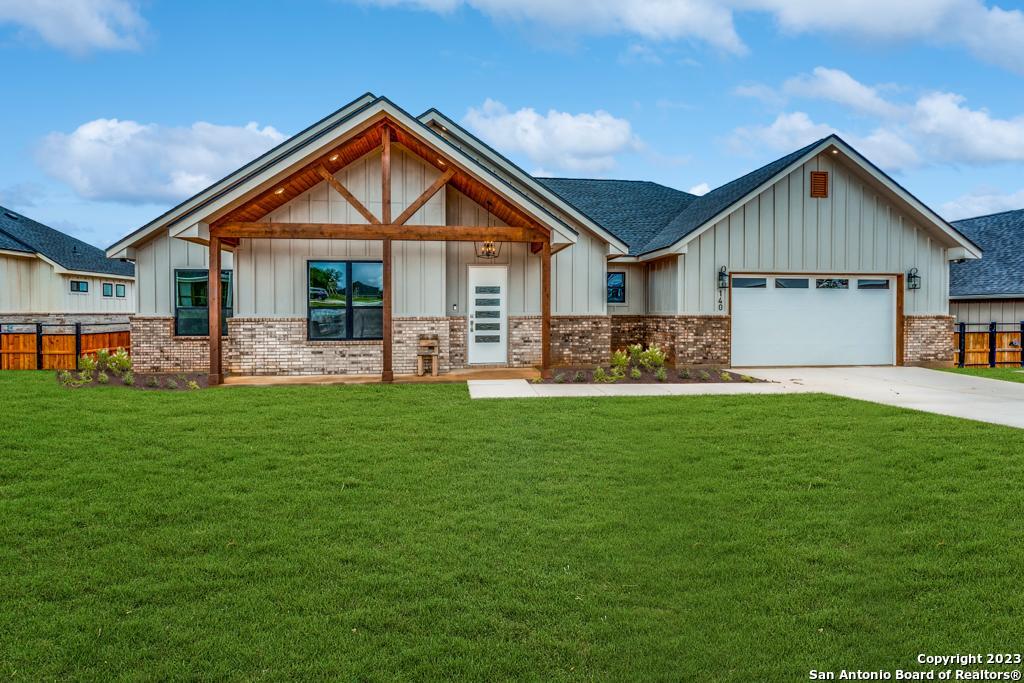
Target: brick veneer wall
pixel 928 339
pixel 581 340
pixel 457 331
pixel 156 349
pixel 687 339
pixel 405 342
pixel 524 341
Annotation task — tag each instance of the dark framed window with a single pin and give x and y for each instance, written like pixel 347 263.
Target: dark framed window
pixel 191 302
pixel 790 283
pixel 873 284
pixel 345 299
pixel 749 282
pixel 80 286
pixel 108 289
pixel 832 283
pixel 617 287
pixel 120 290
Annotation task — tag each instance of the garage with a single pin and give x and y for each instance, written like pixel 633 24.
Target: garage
pixel 826 319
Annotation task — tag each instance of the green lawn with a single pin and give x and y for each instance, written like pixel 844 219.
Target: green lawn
pixel 1014 374
pixel 408 533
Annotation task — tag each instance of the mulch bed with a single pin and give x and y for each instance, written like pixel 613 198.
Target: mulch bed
pixel 147 381
pixel 681 375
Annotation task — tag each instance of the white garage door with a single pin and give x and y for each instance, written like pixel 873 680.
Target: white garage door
pixel 813 320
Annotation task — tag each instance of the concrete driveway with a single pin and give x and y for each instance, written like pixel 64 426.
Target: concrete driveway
pixel 933 391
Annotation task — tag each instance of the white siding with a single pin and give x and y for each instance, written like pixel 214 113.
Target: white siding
pixel 636 289
pixel 855 230
pixel 30 285
pixel 662 285
pixel 1009 311
pixel 155 263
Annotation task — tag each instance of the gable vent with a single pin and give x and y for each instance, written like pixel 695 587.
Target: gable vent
pixel 819 184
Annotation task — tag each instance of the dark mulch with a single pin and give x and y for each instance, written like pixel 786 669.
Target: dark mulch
pixel 680 375
pixel 149 381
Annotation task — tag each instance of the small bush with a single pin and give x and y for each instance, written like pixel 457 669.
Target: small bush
pixel 684 373
pixel 64 376
pixel 192 384
pixel 725 376
pixel 537 380
pixel 747 378
pixel 128 378
pixel 635 373
pixel 181 377
pixel 85 376
pixel 87 364
pixel 704 376
pixel 634 353
pixel 171 383
pixel 601 376
pixel 102 359
pixel 120 362
pixel 152 382
pixel 559 378
pixel 580 376
pixel 652 359
pixel 620 360
pixel 661 375
pixel 102 377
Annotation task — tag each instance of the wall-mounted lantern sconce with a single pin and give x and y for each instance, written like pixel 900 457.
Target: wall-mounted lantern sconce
pixel 913 279
pixel 723 278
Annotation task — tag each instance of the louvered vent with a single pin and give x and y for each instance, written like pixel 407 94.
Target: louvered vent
pixel 819 184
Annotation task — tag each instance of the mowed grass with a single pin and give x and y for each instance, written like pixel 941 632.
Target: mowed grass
pixel 1008 374
pixel 408 533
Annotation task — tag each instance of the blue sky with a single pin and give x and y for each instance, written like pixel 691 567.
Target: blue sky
pixel 115 110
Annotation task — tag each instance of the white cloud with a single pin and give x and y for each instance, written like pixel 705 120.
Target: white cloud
pixel 982 203
pixel 78 26
pixel 126 161
pixel 952 132
pixel 578 143
pixel 789 131
pixel 838 86
pixel 700 189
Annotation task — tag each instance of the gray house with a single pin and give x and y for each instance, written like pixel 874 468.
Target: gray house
pixel 990 289
pixel 335 251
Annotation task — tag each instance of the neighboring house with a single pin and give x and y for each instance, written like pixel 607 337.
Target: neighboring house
pixel 990 289
pixel 49 277
pixel 340 247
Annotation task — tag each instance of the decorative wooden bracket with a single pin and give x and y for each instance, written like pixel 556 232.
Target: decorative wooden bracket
pixel 425 197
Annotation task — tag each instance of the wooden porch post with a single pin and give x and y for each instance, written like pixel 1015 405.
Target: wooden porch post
pixel 213 304
pixel 386 375
pixel 545 309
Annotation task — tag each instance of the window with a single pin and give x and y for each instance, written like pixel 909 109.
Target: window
pixel 790 283
pixel 191 302
pixel 873 284
pixel 108 289
pixel 120 289
pixel 832 283
pixel 749 282
pixel 345 299
pixel 616 287
pixel 80 286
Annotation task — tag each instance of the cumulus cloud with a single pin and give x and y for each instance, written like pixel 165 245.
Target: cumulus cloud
pixel 555 141
pixel 78 26
pixel 700 189
pixel 789 131
pixel 841 88
pixel 990 33
pixel 111 159
pixel 982 203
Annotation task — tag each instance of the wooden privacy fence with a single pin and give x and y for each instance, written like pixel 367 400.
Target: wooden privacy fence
pixel 988 344
pixel 52 346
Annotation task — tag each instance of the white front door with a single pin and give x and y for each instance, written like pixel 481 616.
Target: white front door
pixel 826 319
pixel 488 314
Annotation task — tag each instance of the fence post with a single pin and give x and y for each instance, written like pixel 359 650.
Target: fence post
pixel 992 344
pixel 39 346
pixel 963 342
pixel 1021 345
pixel 78 343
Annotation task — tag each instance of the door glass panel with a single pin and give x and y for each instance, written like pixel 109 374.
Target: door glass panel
pixel 488 302
pixel 790 283
pixel 872 284
pixel 833 283
pixel 749 282
pixel 488 338
pixel 488 314
pixel 488 326
pixel 488 290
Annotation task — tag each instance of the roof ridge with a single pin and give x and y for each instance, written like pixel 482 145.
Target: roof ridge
pixel 987 215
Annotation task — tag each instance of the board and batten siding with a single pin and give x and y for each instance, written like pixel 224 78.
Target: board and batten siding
pixel 30 285
pixel 271 274
pixel 855 230
pixel 636 289
pixel 155 263
pixel 578 285
pixel 1006 311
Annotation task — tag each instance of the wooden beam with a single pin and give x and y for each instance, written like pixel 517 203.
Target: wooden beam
pixel 359 231
pixel 425 197
pixel 535 247
pixel 385 176
pixel 349 197
pixel 213 306
pixel 545 310
pixel 387 374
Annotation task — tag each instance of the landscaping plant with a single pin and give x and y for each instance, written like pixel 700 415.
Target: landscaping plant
pixel 661 375
pixel 102 377
pixel 635 373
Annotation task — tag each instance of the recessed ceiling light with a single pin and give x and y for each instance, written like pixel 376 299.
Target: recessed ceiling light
pixel 334 157
pixel 835 151
pixel 440 162
pixel 279 190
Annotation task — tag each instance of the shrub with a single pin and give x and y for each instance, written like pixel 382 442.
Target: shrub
pixel 725 376
pixel 181 377
pixel 102 377
pixel 192 384
pixel 560 378
pixel 537 380
pixel 120 362
pixel 635 373
pixel 653 358
pixel 85 376
pixel 634 353
pixel 684 373
pixel 704 376
pixel 620 360
pixel 64 376
pixel 128 378
pixel 747 378
pixel 102 359
pixel 661 375
pixel 152 382
pixel 600 375
pixel 171 383
pixel 580 376
pixel 87 364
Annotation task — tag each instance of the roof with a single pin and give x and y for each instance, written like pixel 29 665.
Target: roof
pixel 1000 272
pixel 24 234
pixel 632 210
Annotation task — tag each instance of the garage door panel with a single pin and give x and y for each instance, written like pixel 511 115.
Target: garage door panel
pixel 783 326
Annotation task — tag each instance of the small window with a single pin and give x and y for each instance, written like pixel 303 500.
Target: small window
pixel 872 284
pixel 790 283
pixel 819 184
pixel 617 287
pixel 832 283
pixel 749 282
pixel 120 290
pixel 80 286
pixel 108 289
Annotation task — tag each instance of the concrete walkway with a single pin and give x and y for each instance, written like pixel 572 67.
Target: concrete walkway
pixel 523 389
pixel 933 391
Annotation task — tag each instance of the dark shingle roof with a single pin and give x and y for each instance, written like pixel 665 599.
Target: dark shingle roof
pixel 71 253
pixel 1000 270
pixel 632 210
pixel 721 198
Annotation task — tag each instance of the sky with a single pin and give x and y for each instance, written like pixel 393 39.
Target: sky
pixel 115 110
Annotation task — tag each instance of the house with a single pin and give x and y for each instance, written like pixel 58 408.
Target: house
pixel 337 250
pixel 47 276
pixel 991 289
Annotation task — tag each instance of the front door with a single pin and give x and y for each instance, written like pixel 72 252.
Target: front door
pixel 488 314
